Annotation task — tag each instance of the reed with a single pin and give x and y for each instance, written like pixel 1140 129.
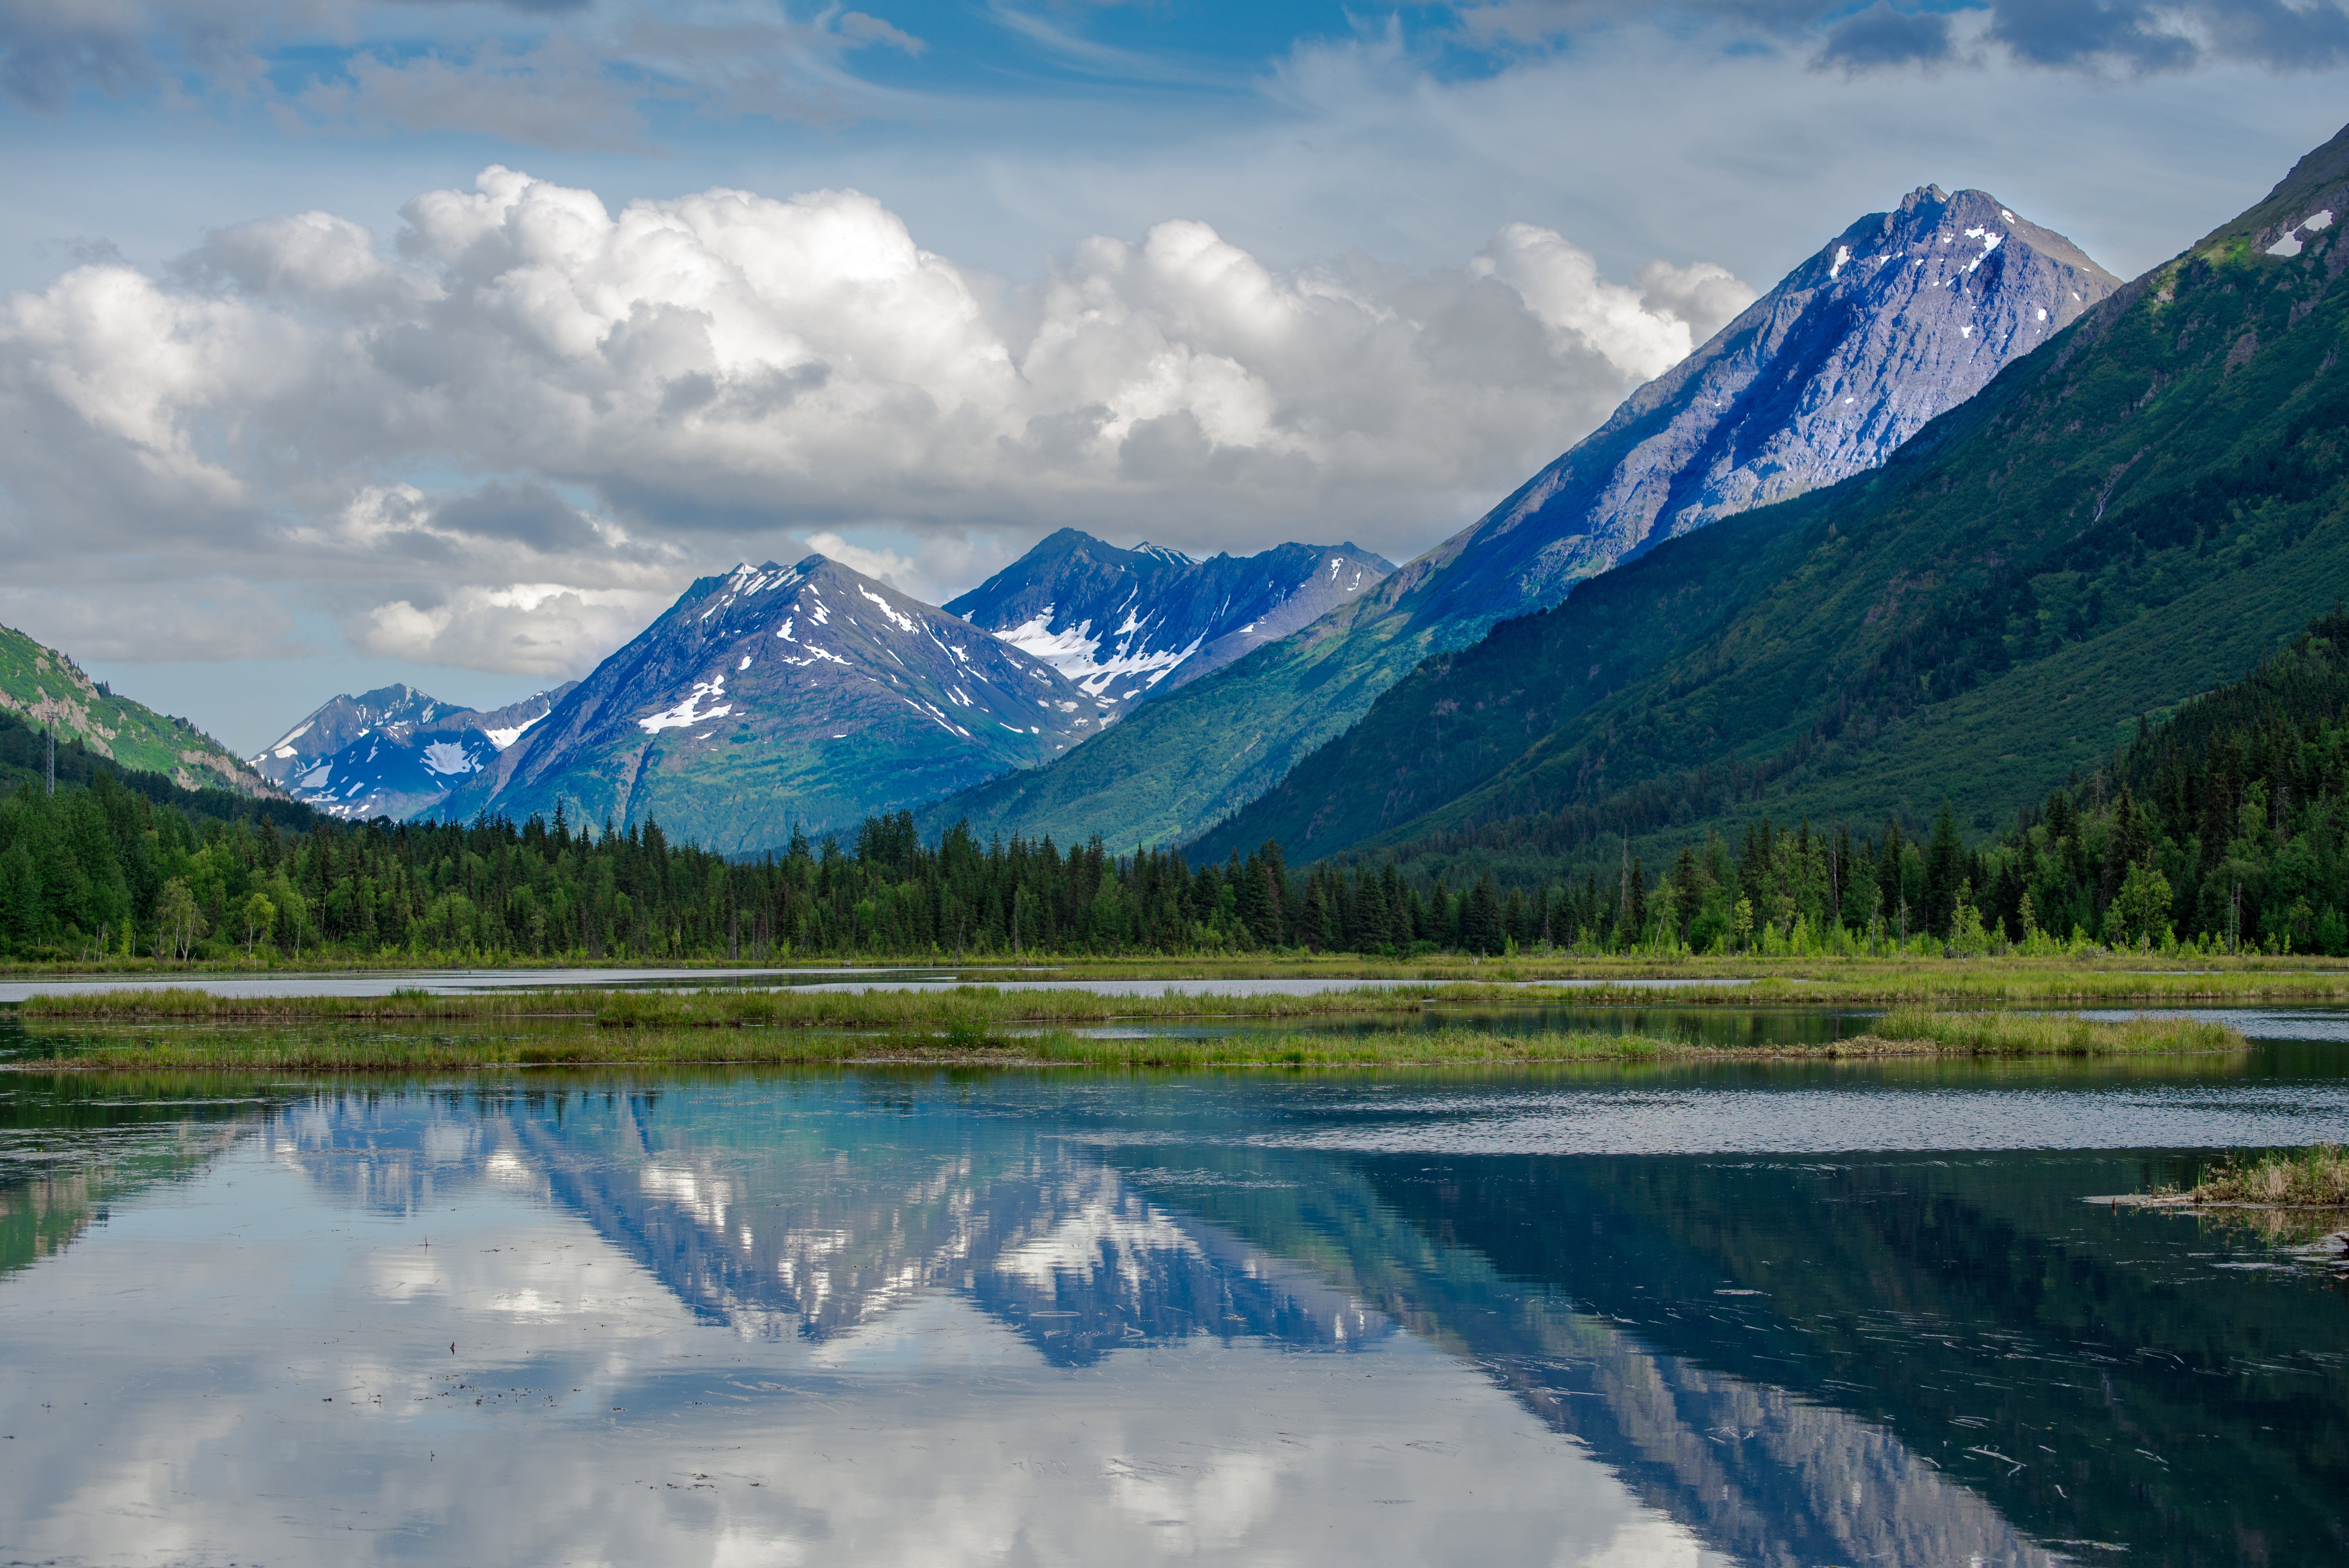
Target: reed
pixel 2012 1034
pixel 2315 1177
pixel 962 1008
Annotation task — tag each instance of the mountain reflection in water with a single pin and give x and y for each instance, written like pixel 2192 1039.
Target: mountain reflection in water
pixel 980 1318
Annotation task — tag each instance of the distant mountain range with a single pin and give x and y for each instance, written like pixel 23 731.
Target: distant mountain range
pixel 777 698
pixel 394 751
pixel 2136 512
pixel 1905 315
pixel 808 696
pixel 48 690
pixel 1126 625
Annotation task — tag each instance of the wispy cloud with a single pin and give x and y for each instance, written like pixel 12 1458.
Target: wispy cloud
pixel 2097 36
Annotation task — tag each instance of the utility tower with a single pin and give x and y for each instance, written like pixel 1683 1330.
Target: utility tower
pixel 53 758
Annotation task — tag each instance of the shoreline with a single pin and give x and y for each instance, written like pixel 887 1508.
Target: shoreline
pixel 1706 983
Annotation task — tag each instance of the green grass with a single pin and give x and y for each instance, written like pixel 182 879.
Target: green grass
pixel 971 1037
pixel 1555 979
pixel 963 1008
pixel 2316 1177
pixel 2051 1034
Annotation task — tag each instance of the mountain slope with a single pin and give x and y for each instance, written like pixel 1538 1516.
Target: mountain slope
pixel 1124 625
pixel 2131 515
pixel 1898 319
pixel 394 751
pixel 47 689
pixel 1903 316
pixel 779 696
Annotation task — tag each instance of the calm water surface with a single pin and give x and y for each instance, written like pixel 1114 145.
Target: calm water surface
pixel 1797 1313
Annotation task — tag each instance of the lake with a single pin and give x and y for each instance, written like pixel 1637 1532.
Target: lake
pixel 1771 1312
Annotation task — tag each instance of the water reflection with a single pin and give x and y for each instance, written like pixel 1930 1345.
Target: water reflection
pixel 763 1316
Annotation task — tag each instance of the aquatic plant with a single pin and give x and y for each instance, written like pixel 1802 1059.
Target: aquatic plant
pixel 2317 1176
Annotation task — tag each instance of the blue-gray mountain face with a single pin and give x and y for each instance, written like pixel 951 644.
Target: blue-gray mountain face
pixel 1898 320
pixel 1901 317
pixel 781 696
pixel 394 751
pixel 1125 625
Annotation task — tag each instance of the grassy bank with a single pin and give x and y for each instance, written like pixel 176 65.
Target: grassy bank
pixel 2121 980
pixel 963 1009
pixel 967 1040
pixel 2316 1177
pixel 1950 987
pixel 2048 1035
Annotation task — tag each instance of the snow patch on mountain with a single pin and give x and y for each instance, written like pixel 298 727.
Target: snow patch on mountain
pixel 449 760
pixel 686 713
pixel 504 736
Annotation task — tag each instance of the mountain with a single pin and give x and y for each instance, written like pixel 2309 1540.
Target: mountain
pixel 1898 319
pixel 1905 315
pixel 777 696
pixel 393 751
pixel 2132 514
pixel 47 689
pixel 1125 625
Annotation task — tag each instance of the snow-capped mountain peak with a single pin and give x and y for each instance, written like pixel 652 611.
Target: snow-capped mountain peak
pixel 1122 624
pixel 775 696
pixel 393 751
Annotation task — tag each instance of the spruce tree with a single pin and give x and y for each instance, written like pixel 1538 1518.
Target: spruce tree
pixel 1945 868
pixel 1480 922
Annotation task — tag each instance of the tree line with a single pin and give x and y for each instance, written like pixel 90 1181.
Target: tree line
pixel 2224 825
pixel 102 871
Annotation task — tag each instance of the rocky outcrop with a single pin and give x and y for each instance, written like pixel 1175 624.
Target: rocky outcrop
pixel 51 691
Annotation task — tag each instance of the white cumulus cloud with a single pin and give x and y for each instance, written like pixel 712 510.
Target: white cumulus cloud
pixel 494 437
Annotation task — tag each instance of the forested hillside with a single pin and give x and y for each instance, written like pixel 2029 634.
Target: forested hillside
pixel 2130 515
pixel 25 760
pixel 46 689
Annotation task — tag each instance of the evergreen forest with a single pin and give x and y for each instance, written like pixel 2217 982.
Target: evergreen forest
pixel 2223 825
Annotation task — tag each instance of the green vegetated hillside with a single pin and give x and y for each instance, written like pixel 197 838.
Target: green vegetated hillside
pixel 46 688
pixel 2134 513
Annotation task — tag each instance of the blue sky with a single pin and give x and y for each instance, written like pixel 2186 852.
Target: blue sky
pixel 308 400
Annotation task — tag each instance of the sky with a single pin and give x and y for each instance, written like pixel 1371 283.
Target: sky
pixel 346 341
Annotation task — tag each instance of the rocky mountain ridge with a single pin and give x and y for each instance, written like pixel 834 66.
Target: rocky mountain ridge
pixel 1901 317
